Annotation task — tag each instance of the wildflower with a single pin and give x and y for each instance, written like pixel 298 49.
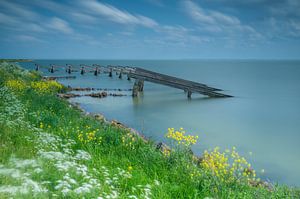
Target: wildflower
pixel 16 85
pixel 166 152
pixel 130 168
pixel 46 86
pixel 228 165
pixel 180 137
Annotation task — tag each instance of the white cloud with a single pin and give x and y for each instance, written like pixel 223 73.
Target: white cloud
pixel 83 18
pixel 60 25
pixel 209 16
pixel 28 38
pixel 211 21
pixel 116 15
pixel 15 23
pixel 18 10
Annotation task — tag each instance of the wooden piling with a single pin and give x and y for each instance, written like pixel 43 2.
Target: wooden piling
pixel 120 76
pixel 135 89
pixel 189 94
pixel 140 85
pixel 69 70
pixel 82 71
pixel 52 69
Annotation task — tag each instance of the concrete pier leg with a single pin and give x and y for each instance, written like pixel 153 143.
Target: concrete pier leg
pixel 120 76
pixel 110 73
pixel 137 87
pixel 189 94
pixel 141 85
pixel 69 70
pixel 82 71
pixel 128 78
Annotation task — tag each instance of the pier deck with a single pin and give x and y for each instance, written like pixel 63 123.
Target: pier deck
pixel 190 87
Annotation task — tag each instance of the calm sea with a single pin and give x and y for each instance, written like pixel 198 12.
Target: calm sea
pixel 263 118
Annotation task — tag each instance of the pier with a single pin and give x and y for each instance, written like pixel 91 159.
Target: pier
pixel 189 87
pixel 141 75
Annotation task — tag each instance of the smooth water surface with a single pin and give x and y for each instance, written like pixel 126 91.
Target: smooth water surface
pixel 262 118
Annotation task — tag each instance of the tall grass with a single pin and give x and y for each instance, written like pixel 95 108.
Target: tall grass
pixel 48 149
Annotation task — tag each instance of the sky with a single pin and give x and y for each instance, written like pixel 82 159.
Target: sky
pixel 150 29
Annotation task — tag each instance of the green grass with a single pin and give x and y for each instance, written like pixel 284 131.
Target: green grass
pixel 39 143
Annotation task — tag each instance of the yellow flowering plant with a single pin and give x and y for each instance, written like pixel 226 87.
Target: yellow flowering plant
pixel 46 86
pixel 16 85
pixel 228 166
pixel 128 140
pixel 180 137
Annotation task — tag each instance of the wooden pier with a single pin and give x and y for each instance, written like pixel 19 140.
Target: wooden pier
pixel 141 75
pixel 190 87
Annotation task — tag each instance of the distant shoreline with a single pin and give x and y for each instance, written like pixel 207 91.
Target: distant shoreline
pixel 15 60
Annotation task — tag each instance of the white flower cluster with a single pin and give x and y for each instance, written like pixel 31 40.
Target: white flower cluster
pixel 12 111
pixel 21 171
pixel 58 152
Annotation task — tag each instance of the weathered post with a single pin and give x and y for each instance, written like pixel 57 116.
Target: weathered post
pixel 120 76
pixel 110 72
pixel 189 94
pixel 135 89
pixel 96 71
pixel 52 69
pixel 128 78
pixel 140 85
pixel 69 69
pixel 82 70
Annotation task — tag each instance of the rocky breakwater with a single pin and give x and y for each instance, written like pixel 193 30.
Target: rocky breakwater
pixel 96 95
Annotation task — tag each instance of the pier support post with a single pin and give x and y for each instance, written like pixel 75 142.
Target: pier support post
pixel 137 87
pixel 110 73
pixel 189 94
pixel 69 70
pixel 141 85
pixel 97 71
pixel 82 71
pixel 128 78
pixel 52 69
pixel 120 76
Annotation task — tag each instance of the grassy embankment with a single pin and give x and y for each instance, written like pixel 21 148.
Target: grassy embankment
pixel 50 150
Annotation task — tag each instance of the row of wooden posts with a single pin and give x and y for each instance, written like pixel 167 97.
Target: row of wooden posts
pixel 96 69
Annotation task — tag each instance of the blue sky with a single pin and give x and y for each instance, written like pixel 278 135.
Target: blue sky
pixel 150 29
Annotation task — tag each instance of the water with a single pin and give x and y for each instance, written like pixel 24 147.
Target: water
pixel 262 118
